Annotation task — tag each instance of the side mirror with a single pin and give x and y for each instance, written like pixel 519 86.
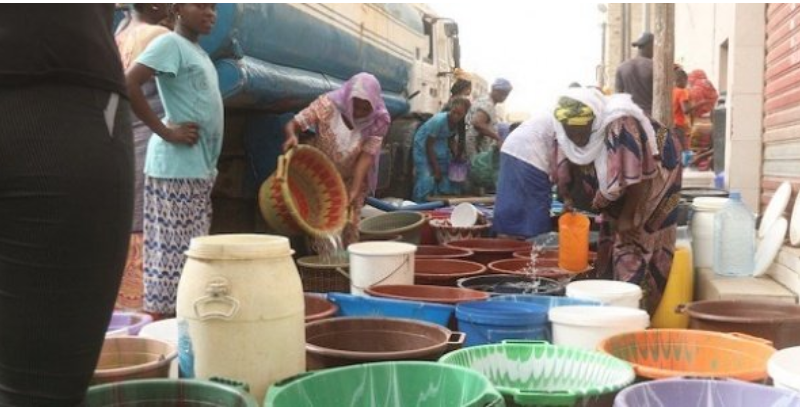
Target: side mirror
pixel 451 29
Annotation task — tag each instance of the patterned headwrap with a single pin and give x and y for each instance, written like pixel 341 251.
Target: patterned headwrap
pixel 573 112
pixel 365 87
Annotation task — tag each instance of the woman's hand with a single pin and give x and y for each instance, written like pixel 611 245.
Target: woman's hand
pixel 290 142
pixel 184 133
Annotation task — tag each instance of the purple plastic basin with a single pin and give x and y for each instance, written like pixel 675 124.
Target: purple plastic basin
pixel 125 323
pixel 695 393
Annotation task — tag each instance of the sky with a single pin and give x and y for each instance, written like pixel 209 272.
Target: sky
pixel 541 47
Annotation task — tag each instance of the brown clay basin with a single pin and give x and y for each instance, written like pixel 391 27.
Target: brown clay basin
pixel 544 268
pixel 427 293
pixel 354 340
pixel 776 322
pixel 318 308
pixel 444 272
pixel 441 252
pixel 488 250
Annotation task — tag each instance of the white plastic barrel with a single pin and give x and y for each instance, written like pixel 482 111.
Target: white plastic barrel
pixel 609 292
pixel 586 326
pixel 241 311
pixel 702 226
pixel 380 263
pixel 166 330
pixel 784 368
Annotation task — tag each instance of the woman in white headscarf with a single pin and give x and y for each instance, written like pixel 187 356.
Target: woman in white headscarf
pixel 609 151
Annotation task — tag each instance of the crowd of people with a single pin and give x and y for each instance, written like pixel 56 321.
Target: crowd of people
pixel 131 182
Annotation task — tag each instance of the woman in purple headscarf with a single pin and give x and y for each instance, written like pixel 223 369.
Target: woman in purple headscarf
pixel 350 124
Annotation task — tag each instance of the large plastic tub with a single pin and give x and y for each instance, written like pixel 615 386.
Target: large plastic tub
pixel 403 384
pixel 784 368
pixel 318 308
pixel 489 250
pixel 350 341
pixel 445 272
pixel 776 322
pixel 669 353
pixel 610 292
pixel 539 374
pixel 513 285
pixel 170 393
pixel 694 393
pixel 549 302
pixel 585 327
pixel 427 293
pixel 128 358
pixel 127 323
pixel 494 322
pixel 350 305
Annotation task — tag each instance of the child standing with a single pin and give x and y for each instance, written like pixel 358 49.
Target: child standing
pixel 181 161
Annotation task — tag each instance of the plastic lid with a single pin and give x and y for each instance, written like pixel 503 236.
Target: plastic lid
pixel 239 247
pixel 600 316
pixel 783 367
pixel 603 289
pixel 709 204
pixel 381 248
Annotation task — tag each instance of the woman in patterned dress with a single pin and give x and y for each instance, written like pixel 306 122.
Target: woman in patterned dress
pixel 628 165
pixel 350 124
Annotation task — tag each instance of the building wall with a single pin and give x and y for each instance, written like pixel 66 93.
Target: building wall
pixel 727 41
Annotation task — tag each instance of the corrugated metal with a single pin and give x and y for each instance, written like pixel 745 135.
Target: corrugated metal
pixel 781 100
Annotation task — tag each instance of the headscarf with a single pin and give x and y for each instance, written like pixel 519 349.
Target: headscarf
pixel 591 103
pixel 366 87
pixel 502 85
pixel 702 93
pixel 573 112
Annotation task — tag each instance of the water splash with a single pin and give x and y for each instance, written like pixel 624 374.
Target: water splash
pixel 330 248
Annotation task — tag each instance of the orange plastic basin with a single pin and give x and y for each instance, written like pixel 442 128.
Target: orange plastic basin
pixel 667 353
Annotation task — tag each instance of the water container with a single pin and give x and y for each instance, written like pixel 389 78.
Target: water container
pixel 573 242
pixel 586 326
pixel 734 239
pixel 684 240
pixel 240 311
pixel 352 305
pixel 609 292
pixel 494 322
pixel 679 292
pixel 380 263
pixel 702 226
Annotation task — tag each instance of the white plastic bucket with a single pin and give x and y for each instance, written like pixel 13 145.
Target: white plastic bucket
pixel 380 263
pixel 586 326
pixel 784 368
pixel 610 292
pixel 702 227
pixel 241 311
pixel 166 330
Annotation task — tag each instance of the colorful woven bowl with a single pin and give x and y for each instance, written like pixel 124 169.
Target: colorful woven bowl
pixel 304 195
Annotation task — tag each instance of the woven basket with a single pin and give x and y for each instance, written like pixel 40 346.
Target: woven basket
pixel 445 232
pixel 305 194
pixel 322 277
pixel 405 224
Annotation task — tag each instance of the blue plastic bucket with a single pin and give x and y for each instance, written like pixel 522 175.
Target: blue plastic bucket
pixel 493 322
pixel 549 302
pixel 351 305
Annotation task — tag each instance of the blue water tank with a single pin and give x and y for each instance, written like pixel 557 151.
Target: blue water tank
pixel 253 84
pixel 286 35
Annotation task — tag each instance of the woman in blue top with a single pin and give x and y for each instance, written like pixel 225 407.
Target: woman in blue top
pixel 181 161
pixel 432 144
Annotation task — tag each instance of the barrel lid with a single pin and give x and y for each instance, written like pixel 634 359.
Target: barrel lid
pixel 239 247
pixel 599 316
pixel 709 204
pixel 381 248
pixel 784 368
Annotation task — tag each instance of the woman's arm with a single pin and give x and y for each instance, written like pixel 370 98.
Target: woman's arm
pixel 185 133
pixel 480 121
pixel 363 165
pixel 290 135
pixel 430 150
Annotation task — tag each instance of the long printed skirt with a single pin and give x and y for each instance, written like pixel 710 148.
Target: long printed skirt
pixel 175 211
